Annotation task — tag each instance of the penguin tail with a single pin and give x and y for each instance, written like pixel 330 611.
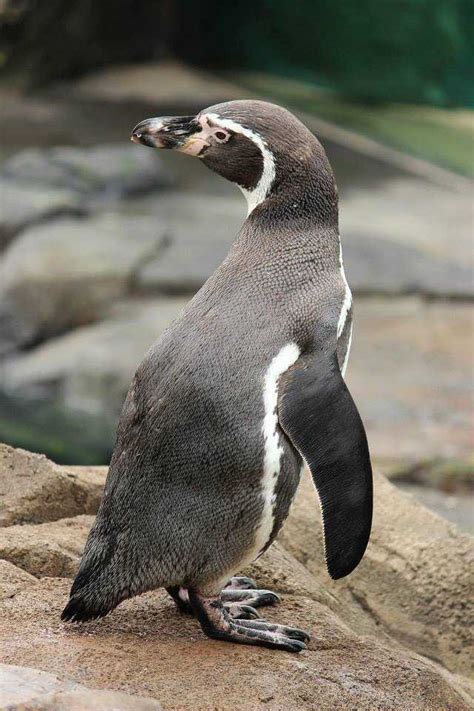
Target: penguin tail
pixel 97 588
pixel 85 606
pixel 90 599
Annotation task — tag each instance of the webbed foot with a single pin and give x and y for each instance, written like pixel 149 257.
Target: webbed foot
pixel 217 622
pixel 240 598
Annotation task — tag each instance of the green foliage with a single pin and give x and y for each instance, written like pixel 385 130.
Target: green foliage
pixel 418 51
pixel 443 136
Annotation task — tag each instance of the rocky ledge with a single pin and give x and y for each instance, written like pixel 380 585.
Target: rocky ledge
pixel 394 635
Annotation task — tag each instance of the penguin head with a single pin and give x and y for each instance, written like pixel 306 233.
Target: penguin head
pixel 261 147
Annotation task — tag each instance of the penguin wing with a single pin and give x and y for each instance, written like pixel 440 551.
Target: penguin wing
pixel 318 414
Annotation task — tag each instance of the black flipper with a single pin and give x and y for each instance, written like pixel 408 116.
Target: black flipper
pixel 316 411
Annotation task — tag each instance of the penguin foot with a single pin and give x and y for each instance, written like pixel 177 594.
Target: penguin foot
pixel 240 602
pixel 233 600
pixel 217 623
pixel 241 583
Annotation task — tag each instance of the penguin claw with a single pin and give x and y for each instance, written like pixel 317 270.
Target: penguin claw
pixel 291 632
pixel 256 598
pixel 242 612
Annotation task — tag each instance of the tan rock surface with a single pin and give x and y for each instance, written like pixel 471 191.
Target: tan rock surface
pixel 25 689
pixel 409 596
pixel 46 549
pixel 13 579
pixel 34 489
pixel 416 579
pixel 147 647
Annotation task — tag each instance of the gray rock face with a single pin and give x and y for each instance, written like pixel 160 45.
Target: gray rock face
pixel 33 489
pixel 22 205
pixel 27 689
pixel 381 266
pixel 203 227
pixel 410 372
pixel 63 274
pixel 106 170
pixel 201 230
pixel 90 369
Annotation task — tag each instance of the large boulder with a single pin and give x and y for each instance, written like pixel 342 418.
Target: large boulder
pixel 414 582
pixel 146 646
pixel 377 265
pixel 24 205
pixel 201 230
pixel 111 170
pixel 46 549
pixel 410 373
pixel 408 598
pixel 77 371
pixel 65 273
pixel 13 579
pixel 34 489
pixel 26 689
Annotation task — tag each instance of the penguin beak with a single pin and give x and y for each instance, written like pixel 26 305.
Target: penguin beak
pixel 180 133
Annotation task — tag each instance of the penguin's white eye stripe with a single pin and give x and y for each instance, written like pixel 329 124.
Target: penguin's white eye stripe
pixel 259 193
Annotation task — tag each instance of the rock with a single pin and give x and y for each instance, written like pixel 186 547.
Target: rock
pixel 410 593
pixel 26 689
pixel 202 228
pixel 454 508
pixel 24 205
pixel 158 83
pixel 13 579
pixel 425 405
pixel 415 579
pixel 111 170
pixel 76 369
pixel 47 549
pixel 381 266
pixel 63 274
pixel 410 373
pixel 411 212
pixel 201 231
pixel 35 490
pixel 142 644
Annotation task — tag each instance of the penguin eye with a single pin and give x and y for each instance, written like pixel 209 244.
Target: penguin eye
pixel 221 136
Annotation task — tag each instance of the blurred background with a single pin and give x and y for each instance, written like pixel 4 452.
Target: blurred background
pixel 102 242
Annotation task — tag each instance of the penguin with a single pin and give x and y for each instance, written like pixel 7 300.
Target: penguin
pixel 244 389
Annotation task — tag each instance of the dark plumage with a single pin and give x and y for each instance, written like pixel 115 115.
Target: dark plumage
pixel 238 390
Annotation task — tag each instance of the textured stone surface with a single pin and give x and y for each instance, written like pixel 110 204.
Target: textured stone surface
pixel 378 265
pixel 200 231
pixel 63 274
pixel 409 596
pixel 77 370
pixel 13 579
pixel 27 689
pixel 146 646
pixel 111 170
pixel 410 373
pixel 23 205
pixel 46 549
pixel 414 582
pixel 34 490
